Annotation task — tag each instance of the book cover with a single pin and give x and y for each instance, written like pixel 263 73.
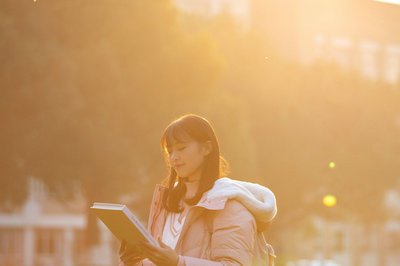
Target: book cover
pixel 122 223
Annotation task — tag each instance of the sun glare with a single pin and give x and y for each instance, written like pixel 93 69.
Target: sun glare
pixel 329 200
pixel 395 2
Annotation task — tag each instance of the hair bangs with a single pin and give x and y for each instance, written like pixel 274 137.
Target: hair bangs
pixel 174 133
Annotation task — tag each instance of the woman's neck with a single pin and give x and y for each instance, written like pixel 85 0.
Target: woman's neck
pixel 191 188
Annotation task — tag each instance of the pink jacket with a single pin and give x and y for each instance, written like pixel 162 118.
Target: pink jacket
pixel 224 228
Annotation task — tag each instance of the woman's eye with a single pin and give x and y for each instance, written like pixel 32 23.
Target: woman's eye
pixel 181 148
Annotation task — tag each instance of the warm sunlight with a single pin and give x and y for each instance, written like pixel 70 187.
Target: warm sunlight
pixel 395 2
pixel 329 200
pixel 303 96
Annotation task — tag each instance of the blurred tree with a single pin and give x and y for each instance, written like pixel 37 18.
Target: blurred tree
pixel 301 118
pixel 87 88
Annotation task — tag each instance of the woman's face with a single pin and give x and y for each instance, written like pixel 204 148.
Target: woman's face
pixel 187 158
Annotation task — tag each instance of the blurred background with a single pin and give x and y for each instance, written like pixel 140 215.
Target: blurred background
pixel 304 97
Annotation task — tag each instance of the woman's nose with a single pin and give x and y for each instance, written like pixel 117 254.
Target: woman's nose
pixel 173 156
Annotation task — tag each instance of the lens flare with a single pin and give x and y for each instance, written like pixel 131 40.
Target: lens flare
pixel 332 165
pixel 329 200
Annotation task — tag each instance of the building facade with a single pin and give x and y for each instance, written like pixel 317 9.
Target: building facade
pixel 44 232
pixel 361 35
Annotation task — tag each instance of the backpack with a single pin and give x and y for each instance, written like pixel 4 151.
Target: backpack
pixel 264 254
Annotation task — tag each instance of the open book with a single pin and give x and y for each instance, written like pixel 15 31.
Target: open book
pixel 122 223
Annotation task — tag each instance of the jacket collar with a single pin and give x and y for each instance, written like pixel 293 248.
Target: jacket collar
pixel 204 202
pixel 212 204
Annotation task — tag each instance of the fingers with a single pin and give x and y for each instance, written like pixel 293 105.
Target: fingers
pixel 149 251
pixel 162 243
pixel 122 247
pixel 132 260
pixel 129 251
pixel 162 255
pixel 142 250
pixel 130 256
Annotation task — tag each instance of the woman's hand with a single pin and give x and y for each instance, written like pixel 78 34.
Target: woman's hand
pixel 129 255
pixel 162 256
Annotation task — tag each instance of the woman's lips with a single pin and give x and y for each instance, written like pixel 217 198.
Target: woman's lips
pixel 177 166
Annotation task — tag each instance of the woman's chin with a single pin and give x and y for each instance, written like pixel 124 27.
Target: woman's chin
pixel 184 177
pixel 189 179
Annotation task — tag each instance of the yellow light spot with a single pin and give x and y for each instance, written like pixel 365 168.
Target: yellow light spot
pixel 329 200
pixel 332 165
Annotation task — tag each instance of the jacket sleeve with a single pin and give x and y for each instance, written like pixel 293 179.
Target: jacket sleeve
pixel 233 237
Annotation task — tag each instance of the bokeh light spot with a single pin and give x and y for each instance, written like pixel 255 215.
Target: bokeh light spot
pixel 332 165
pixel 329 200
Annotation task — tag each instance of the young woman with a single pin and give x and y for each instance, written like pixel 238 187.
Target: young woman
pixel 201 217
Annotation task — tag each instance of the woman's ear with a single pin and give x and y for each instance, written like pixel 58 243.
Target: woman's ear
pixel 207 147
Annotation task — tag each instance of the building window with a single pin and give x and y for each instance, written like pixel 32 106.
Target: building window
pixel 11 241
pixel 341 51
pixel 393 241
pixel 79 241
pixel 48 241
pixel 369 59
pixel 11 246
pixel 392 64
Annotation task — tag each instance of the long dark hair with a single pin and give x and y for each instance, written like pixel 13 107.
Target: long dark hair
pixel 215 166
